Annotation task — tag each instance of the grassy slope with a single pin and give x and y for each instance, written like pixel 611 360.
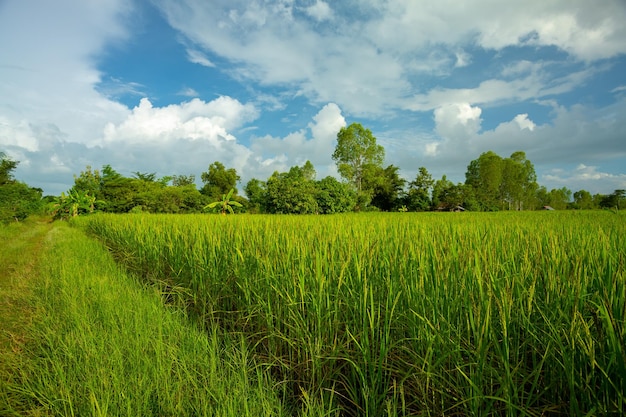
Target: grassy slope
pixel 102 344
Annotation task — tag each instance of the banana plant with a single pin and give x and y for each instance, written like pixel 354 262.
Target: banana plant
pixel 226 204
pixel 73 204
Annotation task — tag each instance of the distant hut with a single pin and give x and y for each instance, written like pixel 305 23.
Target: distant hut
pixel 458 209
pixel 547 208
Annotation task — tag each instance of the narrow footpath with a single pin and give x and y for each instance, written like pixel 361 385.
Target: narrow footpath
pixel 21 246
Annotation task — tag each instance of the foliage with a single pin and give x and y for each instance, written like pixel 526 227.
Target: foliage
pixel 334 197
pixel 615 200
pixel 387 189
pixel 560 198
pixel 256 193
pixel 7 166
pixel 290 193
pixel 583 200
pixel 218 180
pixel 357 154
pixel 116 193
pixel 502 183
pixel 226 204
pixel 492 183
pixel 183 180
pixel 418 196
pixel 73 204
pixel 17 199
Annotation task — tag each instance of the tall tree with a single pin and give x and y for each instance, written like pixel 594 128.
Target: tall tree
pixel 183 180
pixel 388 189
pixel 256 192
pixel 583 200
pixel 560 198
pixel 7 165
pixel 145 176
pixel 219 181
pixel 17 199
pixel 418 196
pixel 290 193
pixel 356 151
pixel 308 171
pixel 334 197
pixel 519 181
pixel 614 200
pixel 484 175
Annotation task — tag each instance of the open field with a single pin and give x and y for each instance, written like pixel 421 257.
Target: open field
pixel 402 314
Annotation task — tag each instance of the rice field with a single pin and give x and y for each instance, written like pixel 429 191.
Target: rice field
pixel 404 313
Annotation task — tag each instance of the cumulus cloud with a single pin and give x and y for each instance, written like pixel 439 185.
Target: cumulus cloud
pixel 195 120
pixel 316 143
pixel 524 122
pixel 457 121
pixel 585 141
pixel 319 11
pixel 58 111
pixel 51 78
pixel 367 64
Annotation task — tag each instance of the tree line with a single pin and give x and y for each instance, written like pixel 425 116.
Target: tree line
pixel 492 183
pixel 17 199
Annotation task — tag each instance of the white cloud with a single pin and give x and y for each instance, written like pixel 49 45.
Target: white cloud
pixel 524 122
pixel 51 77
pixel 198 57
pixel 316 143
pixel 457 121
pixel 188 92
pixel 573 136
pixel 380 57
pixel 320 11
pixel 463 59
pixel 431 149
pixel 368 64
pixel 194 120
pixel 584 177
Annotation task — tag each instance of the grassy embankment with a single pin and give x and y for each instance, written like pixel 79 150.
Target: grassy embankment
pixel 82 338
pixel 406 314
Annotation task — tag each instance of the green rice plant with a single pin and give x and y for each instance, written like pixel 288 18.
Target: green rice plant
pixel 405 314
pixel 102 344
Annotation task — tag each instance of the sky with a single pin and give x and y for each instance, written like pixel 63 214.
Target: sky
pixel 171 86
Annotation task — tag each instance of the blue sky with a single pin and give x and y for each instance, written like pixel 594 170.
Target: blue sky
pixel 170 86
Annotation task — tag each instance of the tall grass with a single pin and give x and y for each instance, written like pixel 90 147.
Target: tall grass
pixel 406 314
pixel 101 344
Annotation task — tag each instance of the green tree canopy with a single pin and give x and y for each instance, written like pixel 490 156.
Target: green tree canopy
pixel 291 193
pixel 219 180
pixel 17 199
pixel 256 193
pixel 334 196
pixel 356 152
pixel 583 200
pixel 387 191
pixel 7 165
pixel 418 196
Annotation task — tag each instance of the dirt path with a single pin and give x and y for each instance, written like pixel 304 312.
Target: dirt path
pixel 21 246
